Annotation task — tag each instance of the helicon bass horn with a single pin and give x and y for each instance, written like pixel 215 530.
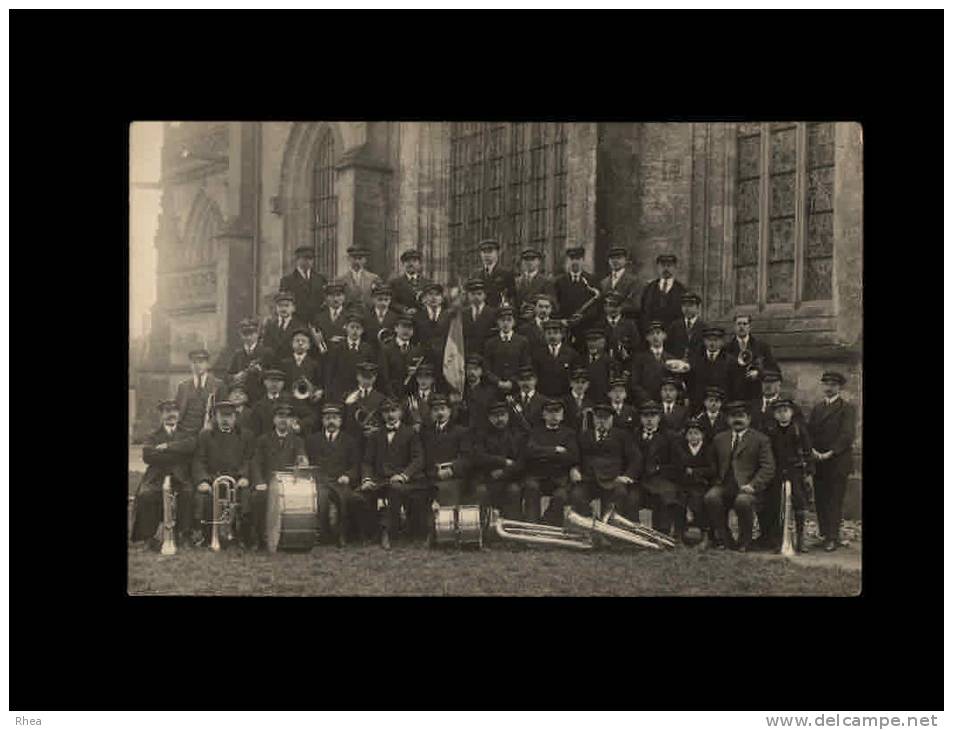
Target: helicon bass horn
pixel 168 517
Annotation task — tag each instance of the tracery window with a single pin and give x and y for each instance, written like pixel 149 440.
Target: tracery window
pixel 324 205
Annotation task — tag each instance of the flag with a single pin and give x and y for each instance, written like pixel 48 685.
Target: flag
pixel 453 366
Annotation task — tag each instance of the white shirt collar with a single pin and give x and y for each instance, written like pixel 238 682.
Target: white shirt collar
pixel 690 321
pixel 528 394
pixel 665 284
pixel 695 449
pixel 832 401
pixel 657 351
pixel 738 435
pixel 616 275
pixel 304 274
pixel 169 429
pixel 328 434
pixel 299 358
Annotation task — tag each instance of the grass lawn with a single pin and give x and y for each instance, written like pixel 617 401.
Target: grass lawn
pixel 502 570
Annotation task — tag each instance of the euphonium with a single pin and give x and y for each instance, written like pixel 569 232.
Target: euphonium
pixel 224 511
pixel 168 517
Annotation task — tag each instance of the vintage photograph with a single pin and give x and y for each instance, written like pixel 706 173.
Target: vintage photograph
pixel 528 358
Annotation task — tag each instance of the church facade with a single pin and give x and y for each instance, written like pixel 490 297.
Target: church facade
pixel 765 218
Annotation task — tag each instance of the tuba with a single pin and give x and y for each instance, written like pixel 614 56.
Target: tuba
pixel 168 517
pixel 225 511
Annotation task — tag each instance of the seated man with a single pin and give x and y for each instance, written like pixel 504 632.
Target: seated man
pixel 446 453
pixel 551 451
pixel 336 457
pixel 275 450
pixel 225 450
pixel 744 466
pixel 610 465
pixel 498 457
pixel 659 486
pixel 393 468
pixel 692 459
pixel 167 451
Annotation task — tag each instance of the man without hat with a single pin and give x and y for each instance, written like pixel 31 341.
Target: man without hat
pixel 306 284
pixel 662 297
pixel 499 282
pixel 195 394
pixel 249 360
pixel 408 286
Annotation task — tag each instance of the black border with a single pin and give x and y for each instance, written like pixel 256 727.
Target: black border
pixel 78 79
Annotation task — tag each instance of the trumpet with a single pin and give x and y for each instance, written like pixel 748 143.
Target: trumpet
pixel 168 517
pixel 535 534
pixel 225 512
pixel 302 389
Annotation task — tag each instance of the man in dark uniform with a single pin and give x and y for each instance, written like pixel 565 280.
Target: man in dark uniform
pixel 624 416
pixel 674 414
pixel 328 327
pixel 498 460
pixel 662 297
pixel 301 365
pixel 447 449
pixel 551 451
pixel 337 459
pixel 791 445
pixel 622 335
pixel 276 335
pixel 263 412
pixel 479 318
pixel 744 467
pixel 711 417
pixel 275 450
pixel 745 369
pixel 432 324
pixel 500 283
pixel 534 328
pixel 223 450
pixel 621 281
pixel 306 284
pixel 577 403
pixel 832 428
pixel 506 353
pixel 599 367
pixel 648 366
pixel 249 360
pixel 195 395
pixel 365 397
pixel 393 466
pixel 399 359
pixel 762 409
pixel 379 317
pixel 167 452
pixel 708 368
pixel 344 356
pixel 408 285
pixel 527 403
pixel 660 489
pixel 417 403
pixel 554 361
pixel 573 289
pixel 610 465
pixel 478 395
pixel 531 281
pixel 685 332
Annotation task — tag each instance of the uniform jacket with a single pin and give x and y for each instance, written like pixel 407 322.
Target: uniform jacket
pixel 404 292
pixel 450 445
pixel 274 454
pixel 532 411
pixel 477 331
pixel 573 413
pixel 393 367
pixel 533 333
pixel 600 373
pixel 193 402
pixel 709 428
pixel 704 374
pixel 674 422
pixel 373 324
pixel 260 420
pixel 494 446
pixel 241 360
pixel 498 282
pixel 309 293
pixel 369 403
pixel 333 460
pixel 358 287
pixel 647 375
pixel 278 340
pixel 701 464
pixel 542 459
pixel 615 455
pixel 553 372
pixel 740 387
pixel 656 454
pixel 175 460
pixel 476 402
pixel 433 335
pixel 658 306
pixel 753 461
pixel 328 327
pixel 570 296
pixel 624 330
pixel 527 288
pixel 791 446
pixel 341 369
pixel 832 428
pixel 627 419
pixel 685 342
pixel 310 368
pixel 503 359
pixel 404 455
pixel 762 415
pixel 628 286
pixel 219 453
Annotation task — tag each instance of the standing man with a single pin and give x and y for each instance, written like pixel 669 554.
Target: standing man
pixel 621 281
pixel 328 326
pixel 500 283
pixel 554 361
pixel 263 412
pixel 306 284
pixel 408 286
pixel 506 353
pixel 648 367
pixel 711 419
pixel 622 334
pixel 479 318
pixel 748 358
pixel 791 443
pixel 534 330
pixel 685 333
pixel 277 331
pixel 599 367
pixel 662 297
pixel 433 324
pixel 344 357
pixel 531 282
pixel 195 395
pixel 249 361
pixel 358 282
pixel 832 428
pixel 380 317
pixel 573 289
pixel 338 461
pixel 762 409
pixel 710 368
pixel 398 359
pixel 577 403
pixel 478 395
pixel 744 467
pixel 365 397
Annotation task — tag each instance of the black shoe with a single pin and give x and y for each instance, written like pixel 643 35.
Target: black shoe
pixel 830 546
pixel 743 548
pixel 385 540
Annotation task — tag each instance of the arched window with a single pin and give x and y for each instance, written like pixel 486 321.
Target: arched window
pixel 203 224
pixel 507 181
pixel 324 204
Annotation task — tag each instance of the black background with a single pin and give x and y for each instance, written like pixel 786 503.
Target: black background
pixel 78 642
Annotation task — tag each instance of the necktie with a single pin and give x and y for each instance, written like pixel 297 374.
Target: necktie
pixel 735 440
pixel 554 351
pixel 331 437
pixel 403 347
pixel 354 347
pixel 668 408
pixel 284 322
pixel 433 315
pixel 600 434
pixel 525 399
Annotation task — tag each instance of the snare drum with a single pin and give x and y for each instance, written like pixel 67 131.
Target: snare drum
pixel 469 526
pixel 444 526
pixel 292 516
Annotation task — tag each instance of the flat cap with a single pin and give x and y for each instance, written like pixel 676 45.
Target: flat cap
pixel 224 405
pixel 713 391
pixel 666 258
pixel 506 311
pixel 379 289
pixel 737 406
pixel 554 324
pixel 389 404
pixel 353 316
pixel 358 251
pixel 691 296
pixel 284 296
pixel 618 383
pixel 248 324
pixel 613 298
pixel 433 287
pixel 305 251
pixel 655 325
pixel 833 376
pixel 783 402
pixel 367 367
pixel 283 406
pixel 425 368
pixel 553 404
pixel 575 252
pixel 650 406
pixel 498 407
pixel 168 404
pixel 273 374
pixel 713 331
pixel 531 253
pixel 334 287
pixel 335 409
pixel 475 359
pixel 595 333
pixel 603 409
pixel 199 354
pixel 617 251
pixel 438 399
pixel 411 253
pixel 694 423
pixel 406 320
pixel 301 331
pixel 526 371
pixel 475 285
pixel 770 376
pixel 579 374
pixel 489 243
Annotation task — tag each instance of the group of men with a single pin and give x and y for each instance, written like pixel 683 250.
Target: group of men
pixel 576 390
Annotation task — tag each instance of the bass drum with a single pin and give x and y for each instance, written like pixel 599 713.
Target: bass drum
pixel 292 514
pixel 469 526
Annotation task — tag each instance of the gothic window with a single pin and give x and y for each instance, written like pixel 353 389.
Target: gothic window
pixel 324 205
pixel 507 181
pixel 783 232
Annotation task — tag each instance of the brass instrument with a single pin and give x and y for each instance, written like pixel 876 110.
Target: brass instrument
pixel 588 419
pixel 385 335
pixel 616 528
pixel 614 518
pixel 318 336
pixel 207 425
pixel 787 520
pixel 518 411
pixel 168 517
pixel 596 294
pixel 413 409
pixel 225 511
pixel 535 534
pixel 368 420
pixel 748 361
pixel 414 365
pixel 302 389
pixel 677 366
pixel 254 367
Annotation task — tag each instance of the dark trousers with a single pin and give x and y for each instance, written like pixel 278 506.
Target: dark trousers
pixel 350 506
pixel 149 513
pixel 769 514
pixel 254 507
pixel 449 492
pixel 830 486
pixel 718 500
pixel 560 492
pixel 414 497
pixel 503 495
pixel 625 498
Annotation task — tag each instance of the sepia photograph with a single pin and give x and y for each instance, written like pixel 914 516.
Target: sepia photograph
pixel 495 358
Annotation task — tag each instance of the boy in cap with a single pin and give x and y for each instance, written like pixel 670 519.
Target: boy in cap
pixel 446 453
pixel 276 335
pixel 479 318
pixel 711 417
pixel 393 466
pixel 610 464
pixel 365 397
pixel 358 281
pixel 527 403
pixel 506 353
pixel 336 456
pixel 407 287
pixel 194 395
pixel 622 334
pixel 554 361
pixel 624 416
pixel 498 460
pixel 249 360
pixel 791 445
pixel 832 428
pixel 551 451
pixel 432 323
pixel 279 448
pixel 744 467
pixel 167 452
pixel 306 284
pixel 659 478
pixel 499 282
pixel 577 402
pixel 748 357
pixel 225 450
pixel 662 297
pixel 531 282
pixel 328 326
pixel 694 469
pixel 344 357
pixel 708 368
pixel 685 332
pixel 572 290
pixel 398 359
pixel 674 414
pixel 621 281
pixel 648 366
